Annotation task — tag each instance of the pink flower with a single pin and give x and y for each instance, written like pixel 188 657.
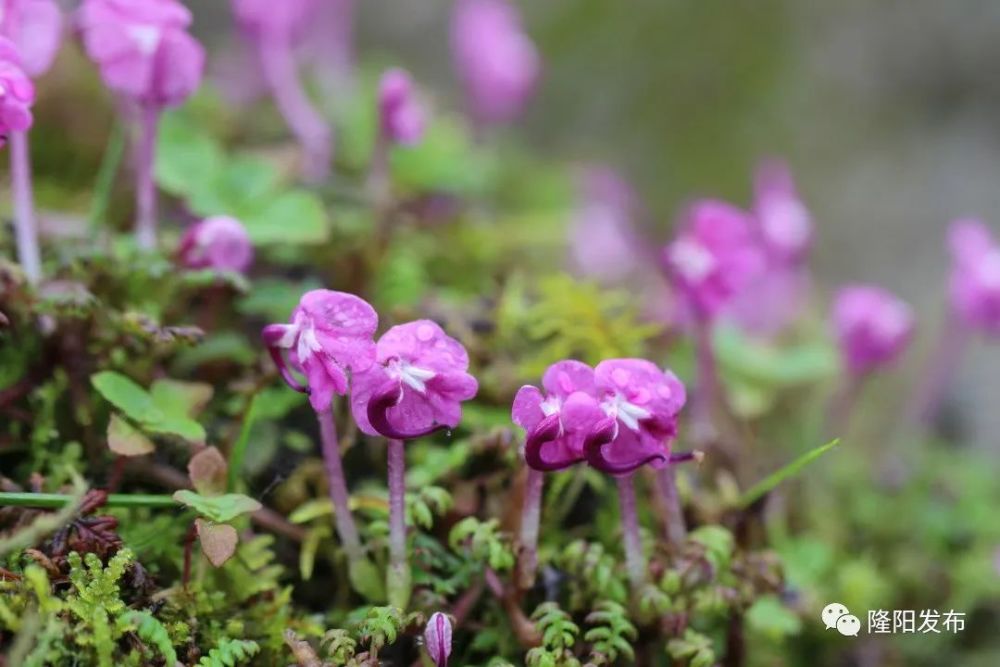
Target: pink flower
pixel 786 226
pixel 641 404
pixel 416 387
pixel 267 19
pixel 401 114
pixel 975 275
pixel 497 62
pixel 603 240
pixel 219 242
pixel 143 48
pixel 872 327
pixel 35 26
pixel 17 92
pixel 330 333
pixel 714 256
pixel 558 422
pixel 437 638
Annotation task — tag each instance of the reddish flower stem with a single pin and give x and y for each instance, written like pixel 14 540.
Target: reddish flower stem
pixel 635 562
pixel 343 520
pixel 674 527
pixel 398 576
pixel 145 186
pixel 25 227
pixel 926 401
pixel 527 562
pixel 309 127
pixel 707 381
pixel 189 539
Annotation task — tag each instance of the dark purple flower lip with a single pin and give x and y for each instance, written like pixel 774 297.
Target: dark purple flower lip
pixel 271 334
pixel 603 434
pixel 389 396
pixel 683 457
pixel 545 432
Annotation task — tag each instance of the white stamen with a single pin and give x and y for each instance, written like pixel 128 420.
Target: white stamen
pixel 691 259
pixel 145 37
pixel 627 413
pixel 413 376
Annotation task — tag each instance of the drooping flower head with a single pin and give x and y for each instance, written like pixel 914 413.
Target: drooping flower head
pixel 17 92
pixel 401 115
pixel 603 240
pixel 270 20
pixel 417 384
pixel 641 404
pixel 714 256
pixel 35 27
pixel 558 421
pixel 330 334
pixel 219 243
pixel 786 226
pixel 497 62
pixel 143 48
pixel 777 295
pixel 872 327
pixel 437 638
pixel 975 275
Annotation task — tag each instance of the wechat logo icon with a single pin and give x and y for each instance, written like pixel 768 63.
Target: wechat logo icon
pixel 836 615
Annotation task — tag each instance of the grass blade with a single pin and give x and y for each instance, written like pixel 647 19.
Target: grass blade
pixel 757 491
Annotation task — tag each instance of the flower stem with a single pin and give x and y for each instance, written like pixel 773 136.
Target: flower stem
pixel 24 207
pixel 635 562
pixel 926 401
pixel 54 500
pixel 309 127
pixel 527 562
pixel 707 382
pixel 145 228
pixel 398 576
pixel 674 527
pixel 842 405
pixel 343 520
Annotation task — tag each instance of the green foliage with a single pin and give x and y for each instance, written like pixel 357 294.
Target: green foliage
pixel 423 505
pixel 380 627
pixel 481 541
pixel 559 634
pixel 339 646
pixel 151 631
pixel 693 649
pixel 166 408
pixel 563 318
pixel 222 509
pixel 612 633
pixel 230 653
pixel 593 575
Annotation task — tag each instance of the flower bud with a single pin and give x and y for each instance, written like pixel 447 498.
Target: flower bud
pixel 437 638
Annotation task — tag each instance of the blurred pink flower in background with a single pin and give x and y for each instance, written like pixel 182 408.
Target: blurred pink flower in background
pixel 975 276
pixel 17 92
pixel 417 385
pixel 219 242
pixel 778 294
pixel 284 20
pixel 872 327
pixel 35 27
pixel 604 243
pixel 330 333
pixel 401 115
pixel 558 421
pixel 714 256
pixel 497 62
pixel 143 48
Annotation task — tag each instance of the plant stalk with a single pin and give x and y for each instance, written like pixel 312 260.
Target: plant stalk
pixel 308 126
pixel 25 225
pixel 56 500
pixel 932 388
pixel 635 562
pixel 343 520
pixel 146 222
pixel 398 576
pixel 707 382
pixel 674 527
pixel 527 562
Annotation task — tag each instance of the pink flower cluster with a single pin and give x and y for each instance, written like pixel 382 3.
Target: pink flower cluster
pixel 408 384
pixel 872 327
pixel 401 115
pixel 17 92
pixel 618 416
pixel 143 48
pixel 975 276
pixel 219 242
pixel 35 28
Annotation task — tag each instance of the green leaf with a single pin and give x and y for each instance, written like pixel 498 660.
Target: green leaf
pixel 774 479
pixel 218 541
pixel 126 440
pixel 274 299
pixel 184 399
pixel 127 396
pixel 771 618
pixel 220 509
pixel 188 160
pixel 295 217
